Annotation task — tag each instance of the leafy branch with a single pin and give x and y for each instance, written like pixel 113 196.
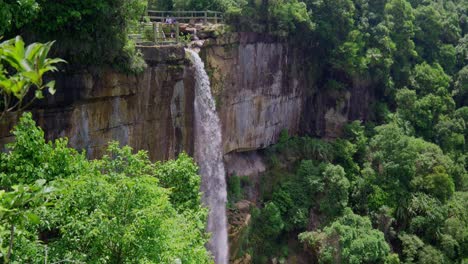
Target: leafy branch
pixel 24 72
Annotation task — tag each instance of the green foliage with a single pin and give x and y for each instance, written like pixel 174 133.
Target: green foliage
pixel 335 20
pixel 405 184
pixel 429 28
pixel 415 251
pixel 131 60
pixel 287 16
pixel 461 84
pixel 29 158
pixel 405 163
pixel 17 211
pixel 278 17
pixel 409 176
pixel 181 177
pixel 25 70
pixel 407 170
pixel 450 132
pixel 427 79
pixel 203 5
pixel 267 225
pixel 89 32
pixel 349 239
pixel 220 5
pixel 130 216
pixel 234 191
pixel 425 112
pixel 118 209
pixel 454 227
pixel 411 246
pixel 293 200
pixel 26 172
pixel 296 148
pixel 15 14
pixel 328 185
pixel 399 18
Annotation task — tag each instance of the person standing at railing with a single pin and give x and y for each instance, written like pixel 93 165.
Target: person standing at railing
pixel 171 22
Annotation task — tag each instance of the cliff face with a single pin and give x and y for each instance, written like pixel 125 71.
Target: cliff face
pixel 151 111
pixel 260 85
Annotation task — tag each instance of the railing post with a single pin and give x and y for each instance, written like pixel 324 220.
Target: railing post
pixel 155 31
pixel 177 32
pixel 216 18
pixel 206 17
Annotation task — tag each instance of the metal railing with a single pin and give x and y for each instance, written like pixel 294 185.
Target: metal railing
pixel 156 32
pixel 186 16
pixel 163 27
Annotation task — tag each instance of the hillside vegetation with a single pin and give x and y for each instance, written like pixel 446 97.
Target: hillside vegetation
pixel 393 189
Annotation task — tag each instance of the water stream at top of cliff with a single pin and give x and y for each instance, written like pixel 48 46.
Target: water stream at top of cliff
pixel 208 154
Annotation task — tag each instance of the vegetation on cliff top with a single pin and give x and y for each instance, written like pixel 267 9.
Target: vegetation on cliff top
pixel 91 33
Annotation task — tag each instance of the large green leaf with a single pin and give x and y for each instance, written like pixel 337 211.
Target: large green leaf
pixel 30 65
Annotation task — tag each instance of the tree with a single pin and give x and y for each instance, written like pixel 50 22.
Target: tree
pixel 406 164
pixel 415 251
pixel 449 133
pixel 127 217
pixel 427 79
pixel 26 172
pixel 289 16
pixel 15 14
pixel 350 239
pixel 277 17
pixel 89 32
pixel 328 186
pixel 181 177
pixel 112 209
pixel 334 20
pixel 17 205
pixel 267 225
pixel 428 101
pixel 203 5
pixel 437 31
pixel 399 18
pixel 461 85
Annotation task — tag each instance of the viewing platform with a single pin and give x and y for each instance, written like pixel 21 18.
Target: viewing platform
pixel 174 27
pixel 191 17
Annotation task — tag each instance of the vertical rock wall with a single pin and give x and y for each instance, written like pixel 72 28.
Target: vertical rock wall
pixel 261 85
pixel 152 111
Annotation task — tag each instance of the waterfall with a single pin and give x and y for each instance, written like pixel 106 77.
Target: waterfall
pixel 208 153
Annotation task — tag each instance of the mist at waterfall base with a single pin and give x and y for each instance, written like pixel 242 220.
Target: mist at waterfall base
pixel 208 154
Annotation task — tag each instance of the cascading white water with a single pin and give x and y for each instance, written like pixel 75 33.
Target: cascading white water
pixel 208 154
